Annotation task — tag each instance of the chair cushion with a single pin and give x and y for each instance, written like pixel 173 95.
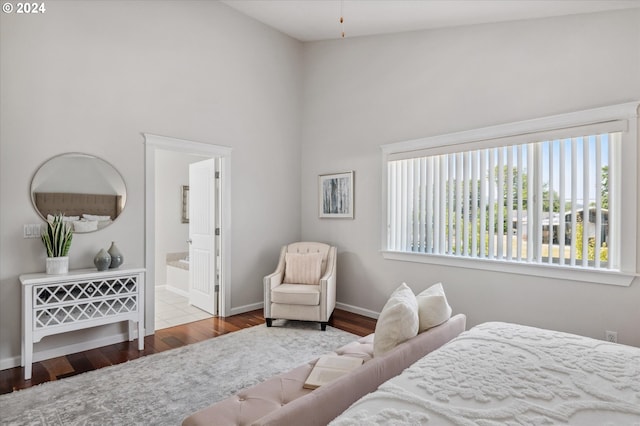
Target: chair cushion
pixel 302 268
pixel 294 294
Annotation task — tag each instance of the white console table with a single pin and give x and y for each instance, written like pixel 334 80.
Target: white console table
pixel 83 298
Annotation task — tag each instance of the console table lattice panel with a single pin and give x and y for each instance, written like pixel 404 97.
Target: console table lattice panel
pixel 54 304
pixel 80 301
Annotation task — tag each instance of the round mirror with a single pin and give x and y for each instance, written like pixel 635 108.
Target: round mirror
pixel 87 190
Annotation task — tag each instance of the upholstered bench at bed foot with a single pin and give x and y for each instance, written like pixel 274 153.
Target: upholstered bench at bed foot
pixel 252 403
pixel 281 400
pixel 255 402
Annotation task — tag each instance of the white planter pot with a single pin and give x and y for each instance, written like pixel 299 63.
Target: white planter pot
pixel 57 265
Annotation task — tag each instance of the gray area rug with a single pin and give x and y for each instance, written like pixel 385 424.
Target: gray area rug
pixel 164 388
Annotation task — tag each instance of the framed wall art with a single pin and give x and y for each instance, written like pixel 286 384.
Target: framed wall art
pixel 185 203
pixel 336 195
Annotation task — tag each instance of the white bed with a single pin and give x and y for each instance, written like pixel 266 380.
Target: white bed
pixel 507 374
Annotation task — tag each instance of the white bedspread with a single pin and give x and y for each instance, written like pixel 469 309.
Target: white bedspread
pixel 507 374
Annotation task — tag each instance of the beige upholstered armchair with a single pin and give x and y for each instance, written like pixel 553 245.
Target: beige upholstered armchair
pixel 303 287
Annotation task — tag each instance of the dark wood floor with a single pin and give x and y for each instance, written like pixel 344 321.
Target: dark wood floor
pixel 169 338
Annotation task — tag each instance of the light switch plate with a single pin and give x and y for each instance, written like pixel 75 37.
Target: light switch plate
pixel 31 230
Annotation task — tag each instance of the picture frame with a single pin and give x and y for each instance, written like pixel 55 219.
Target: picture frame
pixel 336 195
pixel 185 203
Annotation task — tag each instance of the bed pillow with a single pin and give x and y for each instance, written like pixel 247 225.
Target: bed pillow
pixel 433 308
pixel 397 322
pixel 85 225
pixel 103 223
pixel 302 268
pixel 64 218
pixel 95 217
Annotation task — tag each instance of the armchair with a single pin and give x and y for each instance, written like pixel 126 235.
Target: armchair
pixel 303 286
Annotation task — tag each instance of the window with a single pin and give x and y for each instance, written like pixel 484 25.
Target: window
pixel 547 192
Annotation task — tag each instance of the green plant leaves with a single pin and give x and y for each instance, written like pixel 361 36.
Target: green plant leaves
pixel 57 237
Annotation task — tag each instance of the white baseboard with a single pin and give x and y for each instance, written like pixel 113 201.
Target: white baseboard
pixel 245 308
pixel 343 306
pixel 9 362
pixel 177 291
pixel 358 310
pixel 68 349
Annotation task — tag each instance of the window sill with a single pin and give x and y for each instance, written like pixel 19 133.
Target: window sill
pixel 548 271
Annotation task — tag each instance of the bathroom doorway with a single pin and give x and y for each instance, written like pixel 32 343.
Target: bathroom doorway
pixel 170 202
pixel 173 264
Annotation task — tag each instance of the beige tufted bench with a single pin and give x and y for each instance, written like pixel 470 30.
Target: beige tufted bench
pixel 281 400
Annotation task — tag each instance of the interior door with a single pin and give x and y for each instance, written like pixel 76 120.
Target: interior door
pixel 202 236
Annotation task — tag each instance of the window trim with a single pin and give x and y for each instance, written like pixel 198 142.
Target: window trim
pixel 623 117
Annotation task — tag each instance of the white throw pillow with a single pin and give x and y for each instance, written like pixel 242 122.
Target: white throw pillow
pixel 302 268
pixel 398 321
pixel 433 308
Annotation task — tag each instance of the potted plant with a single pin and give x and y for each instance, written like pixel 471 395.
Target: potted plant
pixel 57 240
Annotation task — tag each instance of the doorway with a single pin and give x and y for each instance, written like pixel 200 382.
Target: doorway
pixel 185 241
pixel 172 265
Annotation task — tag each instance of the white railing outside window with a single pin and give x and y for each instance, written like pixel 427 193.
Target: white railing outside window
pixel 553 191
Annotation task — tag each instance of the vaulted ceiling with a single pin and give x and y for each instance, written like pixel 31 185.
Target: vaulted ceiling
pixel 310 20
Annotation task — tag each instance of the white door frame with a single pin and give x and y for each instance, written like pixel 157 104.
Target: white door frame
pixel 153 143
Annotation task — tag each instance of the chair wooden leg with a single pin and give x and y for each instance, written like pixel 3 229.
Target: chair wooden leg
pixel 323 326
pixel 268 322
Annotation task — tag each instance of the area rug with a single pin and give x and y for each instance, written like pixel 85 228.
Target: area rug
pixel 164 388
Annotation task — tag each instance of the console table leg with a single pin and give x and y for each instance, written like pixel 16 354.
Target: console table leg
pixel 131 328
pixel 28 361
pixel 140 336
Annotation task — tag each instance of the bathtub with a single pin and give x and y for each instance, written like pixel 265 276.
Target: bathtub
pixel 178 273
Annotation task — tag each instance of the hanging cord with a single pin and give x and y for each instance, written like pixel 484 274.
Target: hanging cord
pixel 342 17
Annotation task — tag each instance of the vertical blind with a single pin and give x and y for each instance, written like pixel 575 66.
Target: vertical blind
pixel 542 202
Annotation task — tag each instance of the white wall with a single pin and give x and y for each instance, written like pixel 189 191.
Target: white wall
pixel 92 76
pixel 172 171
pixel 361 93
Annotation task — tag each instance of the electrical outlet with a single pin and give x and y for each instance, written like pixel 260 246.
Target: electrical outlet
pixel 611 336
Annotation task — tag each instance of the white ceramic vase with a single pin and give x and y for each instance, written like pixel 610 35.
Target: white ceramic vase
pixel 57 265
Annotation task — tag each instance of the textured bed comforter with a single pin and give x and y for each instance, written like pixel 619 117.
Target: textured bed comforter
pixel 507 374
